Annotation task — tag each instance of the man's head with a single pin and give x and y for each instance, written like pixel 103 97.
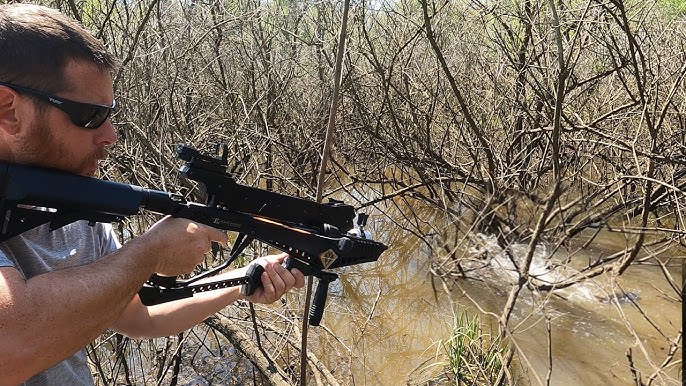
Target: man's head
pixel 37 44
pixel 55 91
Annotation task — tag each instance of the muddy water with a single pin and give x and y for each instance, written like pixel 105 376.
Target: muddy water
pixel 390 319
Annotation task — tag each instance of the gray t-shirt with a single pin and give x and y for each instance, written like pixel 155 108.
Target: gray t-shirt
pixel 39 251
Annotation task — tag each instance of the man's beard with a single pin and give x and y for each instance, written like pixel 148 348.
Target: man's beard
pixel 43 148
pixel 85 167
pixel 99 155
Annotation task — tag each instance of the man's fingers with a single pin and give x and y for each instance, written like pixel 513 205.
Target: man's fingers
pixel 222 237
pixel 299 278
pixel 276 279
pixel 277 273
pixel 267 286
pixel 216 235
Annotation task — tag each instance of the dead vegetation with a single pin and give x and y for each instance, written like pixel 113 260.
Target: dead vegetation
pixel 535 122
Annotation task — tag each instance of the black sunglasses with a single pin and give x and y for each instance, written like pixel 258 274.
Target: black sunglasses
pixel 86 115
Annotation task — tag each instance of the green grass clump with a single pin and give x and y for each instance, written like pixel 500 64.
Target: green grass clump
pixel 475 357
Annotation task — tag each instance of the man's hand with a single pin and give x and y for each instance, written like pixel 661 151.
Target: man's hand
pixel 276 280
pixel 179 245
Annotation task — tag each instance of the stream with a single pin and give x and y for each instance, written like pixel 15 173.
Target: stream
pixel 390 318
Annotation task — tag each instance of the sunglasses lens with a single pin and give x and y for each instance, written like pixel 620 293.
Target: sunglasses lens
pixel 92 117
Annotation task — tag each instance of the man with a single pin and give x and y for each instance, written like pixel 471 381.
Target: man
pixel 59 290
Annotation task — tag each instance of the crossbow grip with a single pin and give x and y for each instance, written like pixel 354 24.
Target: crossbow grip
pixel 319 301
pixel 254 274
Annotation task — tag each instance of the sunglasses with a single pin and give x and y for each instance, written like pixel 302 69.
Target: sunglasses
pixel 86 115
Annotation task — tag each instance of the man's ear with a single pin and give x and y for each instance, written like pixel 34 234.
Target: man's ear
pixel 9 114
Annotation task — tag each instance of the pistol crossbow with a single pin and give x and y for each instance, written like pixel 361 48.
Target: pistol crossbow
pixel 317 236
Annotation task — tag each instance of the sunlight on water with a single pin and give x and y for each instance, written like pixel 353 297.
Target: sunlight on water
pixel 393 319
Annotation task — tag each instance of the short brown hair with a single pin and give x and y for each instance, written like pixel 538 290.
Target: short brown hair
pixel 37 43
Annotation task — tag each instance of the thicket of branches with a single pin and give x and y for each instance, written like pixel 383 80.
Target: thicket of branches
pixel 538 122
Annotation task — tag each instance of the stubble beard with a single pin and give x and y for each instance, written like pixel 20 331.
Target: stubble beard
pixel 43 148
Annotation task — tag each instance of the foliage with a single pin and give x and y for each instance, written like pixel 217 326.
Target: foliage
pixel 676 6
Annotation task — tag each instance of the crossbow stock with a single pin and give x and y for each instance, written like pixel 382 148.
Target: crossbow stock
pixel 316 236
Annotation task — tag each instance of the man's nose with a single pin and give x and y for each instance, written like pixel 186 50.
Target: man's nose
pixel 107 134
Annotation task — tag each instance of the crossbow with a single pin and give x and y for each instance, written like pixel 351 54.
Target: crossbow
pixel 317 236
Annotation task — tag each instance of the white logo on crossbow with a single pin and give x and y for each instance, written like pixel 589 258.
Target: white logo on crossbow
pixel 328 258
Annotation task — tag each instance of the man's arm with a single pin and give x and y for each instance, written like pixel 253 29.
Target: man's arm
pixel 141 322
pixel 51 316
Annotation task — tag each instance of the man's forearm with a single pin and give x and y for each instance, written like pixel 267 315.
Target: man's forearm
pixel 53 315
pixel 165 319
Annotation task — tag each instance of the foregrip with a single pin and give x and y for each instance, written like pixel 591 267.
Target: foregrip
pixel 319 301
pixel 255 271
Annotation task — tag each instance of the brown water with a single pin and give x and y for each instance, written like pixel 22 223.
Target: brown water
pixel 391 320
